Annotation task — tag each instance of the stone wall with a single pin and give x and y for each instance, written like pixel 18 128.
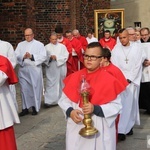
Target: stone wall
pixel 135 11
pixel 44 15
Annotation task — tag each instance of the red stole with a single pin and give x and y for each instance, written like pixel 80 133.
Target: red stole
pixel 104 87
pixel 7 68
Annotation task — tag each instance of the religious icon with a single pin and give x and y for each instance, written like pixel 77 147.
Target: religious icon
pixel 108 19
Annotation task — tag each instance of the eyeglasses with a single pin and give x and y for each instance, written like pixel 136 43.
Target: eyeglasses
pixel 132 34
pixel 92 57
pixel 28 35
pixel 144 34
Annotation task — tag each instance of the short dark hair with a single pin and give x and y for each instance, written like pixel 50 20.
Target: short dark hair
pixel 145 28
pixel 106 53
pixel 68 31
pixel 121 30
pixel 106 31
pixel 59 30
pixel 90 31
pixel 94 44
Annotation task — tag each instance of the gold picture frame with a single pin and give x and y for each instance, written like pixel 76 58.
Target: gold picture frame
pixel 108 19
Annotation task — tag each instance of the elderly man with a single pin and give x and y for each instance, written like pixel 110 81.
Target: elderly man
pixel 131 32
pixel 76 51
pixel 30 55
pixel 81 38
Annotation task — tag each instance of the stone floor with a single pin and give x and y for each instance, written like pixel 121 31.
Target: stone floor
pixel 46 131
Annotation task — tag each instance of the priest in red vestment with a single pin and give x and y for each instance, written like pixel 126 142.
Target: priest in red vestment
pixel 107 41
pixel 81 38
pixel 8 113
pixel 104 104
pixel 77 52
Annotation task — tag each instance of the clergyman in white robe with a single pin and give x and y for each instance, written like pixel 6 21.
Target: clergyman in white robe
pixel 6 49
pixel 129 60
pixel 104 139
pixel 55 72
pixel 30 72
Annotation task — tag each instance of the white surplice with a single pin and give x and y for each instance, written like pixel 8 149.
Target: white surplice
pixel 7 50
pixel 55 72
pixel 90 40
pixel 30 72
pixel 8 113
pixel 129 59
pixel 146 70
pixel 105 139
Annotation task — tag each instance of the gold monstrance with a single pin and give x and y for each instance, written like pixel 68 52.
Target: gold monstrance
pixel 88 130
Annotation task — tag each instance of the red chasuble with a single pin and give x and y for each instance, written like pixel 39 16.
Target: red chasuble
pixel 83 41
pixel 7 68
pixel 76 45
pixel 109 44
pixel 104 87
pixel 70 62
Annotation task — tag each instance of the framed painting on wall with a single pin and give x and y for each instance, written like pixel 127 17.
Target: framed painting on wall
pixel 108 19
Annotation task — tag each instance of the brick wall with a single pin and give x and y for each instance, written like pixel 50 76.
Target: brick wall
pixel 44 15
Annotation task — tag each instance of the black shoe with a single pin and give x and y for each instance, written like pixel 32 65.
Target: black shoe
pixel 131 132
pixel 147 112
pixel 34 112
pixel 121 137
pixel 24 112
pixel 49 106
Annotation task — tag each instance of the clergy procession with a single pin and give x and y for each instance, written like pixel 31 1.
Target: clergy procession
pixel 100 85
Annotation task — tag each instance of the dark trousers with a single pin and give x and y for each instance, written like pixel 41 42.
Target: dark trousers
pixel 144 98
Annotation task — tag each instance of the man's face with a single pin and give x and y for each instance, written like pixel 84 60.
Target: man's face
pixel 137 35
pixel 28 35
pixel 92 65
pixel 89 35
pixel 75 34
pixel 124 38
pixel 53 39
pixel 69 36
pixel 144 35
pixel 107 35
pixel 132 36
pixel 59 35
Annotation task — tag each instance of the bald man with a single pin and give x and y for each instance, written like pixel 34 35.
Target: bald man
pixel 30 55
pixel 128 57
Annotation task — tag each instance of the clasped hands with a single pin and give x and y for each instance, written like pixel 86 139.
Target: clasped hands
pixel 27 56
pixel 53 57
pixel 146 63
pixel 76 114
